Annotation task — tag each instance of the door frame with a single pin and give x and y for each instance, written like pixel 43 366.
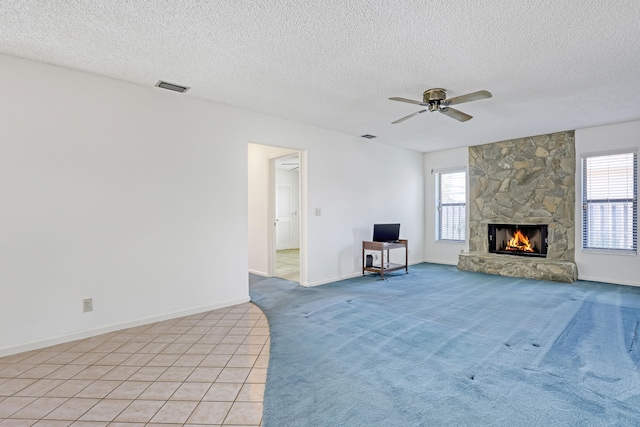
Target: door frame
pixel 302 211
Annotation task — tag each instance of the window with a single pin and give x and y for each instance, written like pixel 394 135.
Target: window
pixel 450 205
pixel 610 202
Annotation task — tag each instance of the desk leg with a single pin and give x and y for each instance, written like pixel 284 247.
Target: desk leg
pixel 406 259
pixel 363 259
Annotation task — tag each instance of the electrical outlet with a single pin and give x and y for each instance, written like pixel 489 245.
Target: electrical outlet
pixel 87 305
pixel 318 212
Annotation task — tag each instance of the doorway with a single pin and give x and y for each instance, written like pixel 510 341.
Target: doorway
pixel 286 204
pixel 263 161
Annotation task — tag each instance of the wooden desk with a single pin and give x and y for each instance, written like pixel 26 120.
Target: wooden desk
pixel 388 266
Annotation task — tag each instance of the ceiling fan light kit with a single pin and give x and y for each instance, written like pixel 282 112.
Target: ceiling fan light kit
pixel 436 100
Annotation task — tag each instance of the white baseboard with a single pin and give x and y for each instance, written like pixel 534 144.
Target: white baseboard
pixel 607 280
pixel 35 345
pixel 440 261
pixel 335 279
pixel 258 273
pixel 347 276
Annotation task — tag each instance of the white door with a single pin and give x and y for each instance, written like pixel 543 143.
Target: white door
pixel 284 216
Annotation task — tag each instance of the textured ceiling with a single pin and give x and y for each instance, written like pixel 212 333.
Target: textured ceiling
pixel 551 65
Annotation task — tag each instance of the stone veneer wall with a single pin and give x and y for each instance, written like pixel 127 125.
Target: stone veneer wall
pixel 524 181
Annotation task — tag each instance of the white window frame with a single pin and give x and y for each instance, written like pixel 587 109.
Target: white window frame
pixel 589 242
pixel 443 235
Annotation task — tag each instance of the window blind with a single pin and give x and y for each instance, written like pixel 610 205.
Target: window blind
pixel 610 202
pixel 450 209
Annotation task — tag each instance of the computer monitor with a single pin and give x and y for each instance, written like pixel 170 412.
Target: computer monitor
pixel 386 232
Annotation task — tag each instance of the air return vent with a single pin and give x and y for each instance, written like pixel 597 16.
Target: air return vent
pixel 368 136
pixel 172 86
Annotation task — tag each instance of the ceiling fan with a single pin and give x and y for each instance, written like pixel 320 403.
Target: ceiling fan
pixel 436 100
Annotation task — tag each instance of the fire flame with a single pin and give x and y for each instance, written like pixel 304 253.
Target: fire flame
pixel 519 242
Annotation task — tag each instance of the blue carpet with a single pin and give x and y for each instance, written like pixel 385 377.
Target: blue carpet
pixel 441 347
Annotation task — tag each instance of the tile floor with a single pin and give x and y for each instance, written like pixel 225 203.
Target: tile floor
pixel 205 369
pixel 288 264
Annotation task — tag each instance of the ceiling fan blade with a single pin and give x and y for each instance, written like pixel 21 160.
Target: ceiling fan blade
pixel 474 96
pixel 410 101
pixel 408 117
pixel 455 114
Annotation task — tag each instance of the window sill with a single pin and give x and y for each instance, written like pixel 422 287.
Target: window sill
pixel 455 242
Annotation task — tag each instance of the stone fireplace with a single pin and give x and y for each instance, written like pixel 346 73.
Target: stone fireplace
pixel 526 184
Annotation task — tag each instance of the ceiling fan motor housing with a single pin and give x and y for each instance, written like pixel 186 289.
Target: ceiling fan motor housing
pixel 436 94
pixel 434 97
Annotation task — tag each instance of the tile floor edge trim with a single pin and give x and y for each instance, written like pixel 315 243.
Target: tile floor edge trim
pixel 61 339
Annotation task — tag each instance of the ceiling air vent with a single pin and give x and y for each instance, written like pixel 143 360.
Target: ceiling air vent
pixel 368 136
pixel 171 86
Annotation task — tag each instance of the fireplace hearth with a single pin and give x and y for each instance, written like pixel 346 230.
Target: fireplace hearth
pixel 518 239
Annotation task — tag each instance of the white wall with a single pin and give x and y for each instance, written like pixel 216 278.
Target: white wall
pixel 442 252
pixel 115 192
pixel 138 197
pixel 356 183
pixel 598 266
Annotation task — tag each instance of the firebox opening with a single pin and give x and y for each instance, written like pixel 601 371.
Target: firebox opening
pixel 517 239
